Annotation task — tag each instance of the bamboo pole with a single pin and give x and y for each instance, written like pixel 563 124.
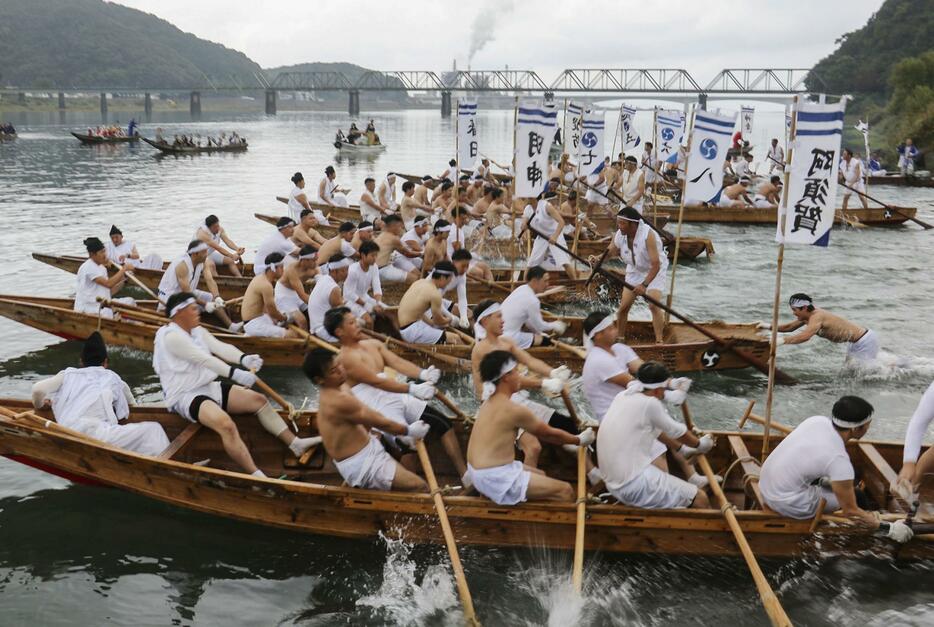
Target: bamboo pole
pixel 684 185
pixel 512 197
pixel 655 166
pixel 577 572
pixel 782 208
pixel 470 616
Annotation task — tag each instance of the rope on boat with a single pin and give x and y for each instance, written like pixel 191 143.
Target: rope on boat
pixel 738 460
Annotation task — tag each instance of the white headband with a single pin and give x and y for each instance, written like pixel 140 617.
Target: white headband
pixel 478 331
pixel 365 228
pixel 489 387
pixel 311 255
pixel 198 248
pixel 635 386
pixel 443 229
pixel 337 265
pixel 442 272
pixel 177 308
pixel 286 225
pixel 850 425
pixel 273 266
pixel 800 302
pixel 619 217
pixel 607 322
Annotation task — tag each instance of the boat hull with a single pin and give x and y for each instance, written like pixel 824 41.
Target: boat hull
pixel 93 140
pixel 192 150
pixel 874 216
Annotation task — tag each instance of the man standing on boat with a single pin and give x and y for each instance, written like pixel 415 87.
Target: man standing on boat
pixel 346 425
pixel 547 226
pixel 184 275
pixel 853 176
pixel 213 234
pixel 640 247
pixel 328 191
pixel 92 399
pixel 635 471
pixel 365 362
pixel 492 467
pixel 632 184
pixel 776 156
pixel 189 360
pixel 93 282
pixel 422 317
pixel 522 312
pixel 864 344
pixel 261 316
pixel 907 153
pixel 811 465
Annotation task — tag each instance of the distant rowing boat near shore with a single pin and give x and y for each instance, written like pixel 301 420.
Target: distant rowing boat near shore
pixel 92 140
pixel 167 148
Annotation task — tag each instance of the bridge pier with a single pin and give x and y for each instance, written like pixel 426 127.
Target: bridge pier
pixel 103 106
pixel 61 101
pixel 353 103
pixel 702 101
pixel 147 107
pixel 271 102
pixel 194 104
pixel 445 104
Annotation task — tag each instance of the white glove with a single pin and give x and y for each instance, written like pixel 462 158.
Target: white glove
pixel 210 307
pixel 779 341
pixel 676 397
pixel 369 307
pixel 680 383
pixel 767 326
pixel 463 322
pixel 586 437
pixel 424 391
pixel 559 327
pixel 552 387
pixel 705 445
pixel 219 302
pixel 900 532
pixel 418 430
pixel 252 362
pixel 430 374
pixel 243 377
pixel 561 372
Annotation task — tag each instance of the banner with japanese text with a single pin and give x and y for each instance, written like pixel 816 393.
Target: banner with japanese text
pixel 590 150
pixel 710 139
pixel 668 135
pixel 467 148
pixel 573 117
pixel 535 131
pixel 628 131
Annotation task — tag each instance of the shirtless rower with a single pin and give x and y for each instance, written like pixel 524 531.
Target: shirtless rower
pixel 306 233
pixel 364 233
pixel 852 174
pixel 328 191
pixel 298 200
pixel 184 275
pixel 498 214
pixel 189 360
pixel 92 399
pixel 631 458
pixel 365 361
pixel 369 206
pixel 812 464
pixel 474 191
pixel 522 312
pixel 395 258
pixel 386 194
pixel 340 243
pixel 327 293
pixel 93 282
pixel 436 248
pixel 291 295
pixel 345 426
pixel 280 242
pixel 443 198
pixel 261 316
pixel 547 226
pixel 422 193
pixel 639 246
pixel 422 318
pixel 768 193
pixel 410 207
pixel 491 461
pixel 734 194
pixel 213 234
pixel 863 342
pixel 363 278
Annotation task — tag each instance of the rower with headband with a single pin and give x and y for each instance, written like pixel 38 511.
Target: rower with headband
pixel 327 293
pixel 184 274
pixel 260 313
pixel 422 316
pixel 290 291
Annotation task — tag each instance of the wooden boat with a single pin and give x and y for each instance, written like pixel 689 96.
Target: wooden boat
pixel 233 287
pixel 873 216
pixel 169 149
pixel 685 350
pixel 7 137
pixel 91 140
pixel 413 178
pixel 312 499
pixel 335 214
pixel 359 149
pixel 326 230
pixel 898 179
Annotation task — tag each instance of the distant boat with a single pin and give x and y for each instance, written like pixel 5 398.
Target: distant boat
pixel 99 139
pixel 7 137
pixel 360 149
pixel 918 180
pixel 169 149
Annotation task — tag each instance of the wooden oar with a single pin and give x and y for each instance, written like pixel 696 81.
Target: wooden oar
pixel 921 223
pixel 577 573
pixel 470 617
pixel 750 359
pixel 154 317
pixel 770 602
pixel 139 283
pixel 457 362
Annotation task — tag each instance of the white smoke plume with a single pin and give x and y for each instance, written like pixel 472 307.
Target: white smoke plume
pixel 483 29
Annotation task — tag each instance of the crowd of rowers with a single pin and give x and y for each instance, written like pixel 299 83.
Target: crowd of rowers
pixel 196 141
pixel 353 135
pixel 114 130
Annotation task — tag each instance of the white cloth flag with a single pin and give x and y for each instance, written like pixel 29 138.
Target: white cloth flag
pixel 572 128
pixel 669 134
pixel 590 151
pixel 628 130
pixel 710 141
pixel 746 123
pixel 467 148
pixel 811 199
pixel 535 131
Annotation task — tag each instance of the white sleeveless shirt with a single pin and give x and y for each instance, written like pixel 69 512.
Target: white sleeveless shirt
pixel 542 220
pixel 295 207
pixel 169 283
pixel 87 290
pixel 638 262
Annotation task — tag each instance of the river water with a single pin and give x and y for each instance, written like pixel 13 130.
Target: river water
pixel 82 556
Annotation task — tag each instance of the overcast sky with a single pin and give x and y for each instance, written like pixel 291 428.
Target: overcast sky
pixel 543 35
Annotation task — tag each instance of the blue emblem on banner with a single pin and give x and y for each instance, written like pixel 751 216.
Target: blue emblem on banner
pixel 668 134
pixel 589 139
pixel 708 149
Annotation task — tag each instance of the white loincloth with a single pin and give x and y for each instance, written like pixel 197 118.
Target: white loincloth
pixel 524 339
pixel 397 406
pixel 504 485
pixel 391 273
pixel 263 326
pixel 658 283
pixel 287 299
pixel 370 467
pixel 725 201
pixel 541 247
pixel 654 488
pixel 761 202
pixel 369 213
pixel 420 332
pixel 865 349
pixel 803 505
pixel 357 310
pixel 217 258
pixel 146 438
pixel 107 312
pixel 340 200
pixel 858 186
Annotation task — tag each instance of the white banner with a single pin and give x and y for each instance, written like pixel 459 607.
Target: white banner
pixel 628 130
pixel 745 126
pixel 467 148
pixel 535 130
pixel 710 140
pixel 573 114
pixel 669 134
pixel 591 150
pixel 811 200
